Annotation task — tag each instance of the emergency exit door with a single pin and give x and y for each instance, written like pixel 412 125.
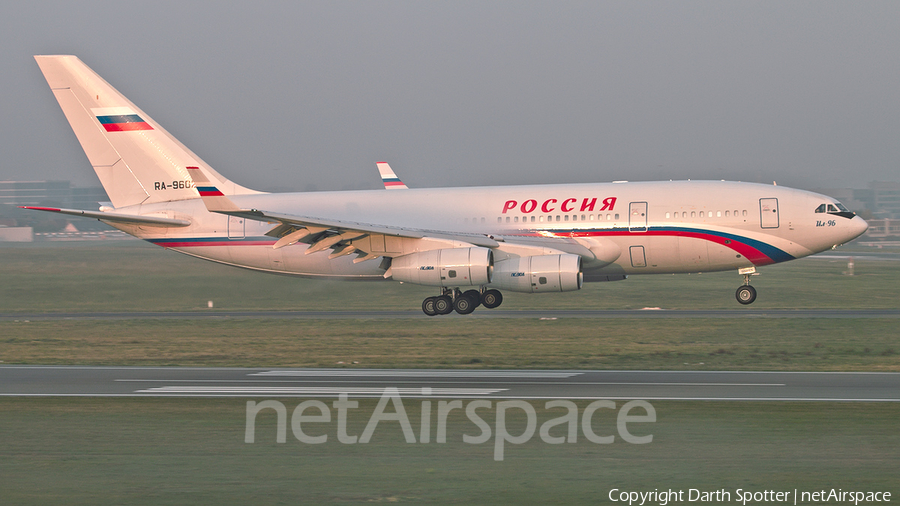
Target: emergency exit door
pixel 768 213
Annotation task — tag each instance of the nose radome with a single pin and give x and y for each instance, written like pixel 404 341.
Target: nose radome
pixel 858 227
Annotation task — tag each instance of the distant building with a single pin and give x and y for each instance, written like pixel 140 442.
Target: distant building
pixel 50 194
pixel 886 197
pixel 59 193
pixel 16 234
pixel 883 228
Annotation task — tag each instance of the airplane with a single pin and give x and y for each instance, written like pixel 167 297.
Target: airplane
pixel 468 243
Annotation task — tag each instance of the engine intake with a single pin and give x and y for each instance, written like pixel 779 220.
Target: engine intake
pixel 450 267
pixel 538 274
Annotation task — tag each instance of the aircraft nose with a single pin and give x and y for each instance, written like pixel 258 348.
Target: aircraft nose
pixel 858 227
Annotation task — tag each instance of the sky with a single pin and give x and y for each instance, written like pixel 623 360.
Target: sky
pixel 309 95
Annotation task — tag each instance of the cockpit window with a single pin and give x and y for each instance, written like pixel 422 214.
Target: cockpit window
pixel 836 209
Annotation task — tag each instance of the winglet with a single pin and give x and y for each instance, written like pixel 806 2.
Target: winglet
pixel 390 180
pixel 213 198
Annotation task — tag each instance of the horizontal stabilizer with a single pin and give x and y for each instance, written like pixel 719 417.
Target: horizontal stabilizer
pixel 134 219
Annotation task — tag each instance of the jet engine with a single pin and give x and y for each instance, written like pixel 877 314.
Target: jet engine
pixel 538 274
pixel 450 267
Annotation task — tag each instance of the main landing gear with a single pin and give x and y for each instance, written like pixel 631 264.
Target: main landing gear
pixel 746 294
pixel 461 302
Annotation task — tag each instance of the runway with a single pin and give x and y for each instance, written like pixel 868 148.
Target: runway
pixel 480 313
pixel 448 383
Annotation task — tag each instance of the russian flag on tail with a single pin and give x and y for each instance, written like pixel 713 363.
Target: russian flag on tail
pixel 120 119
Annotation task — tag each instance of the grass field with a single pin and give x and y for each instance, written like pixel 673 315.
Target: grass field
pixel 729 344
pixel 136 276
pixel 133 276
pixel 186 451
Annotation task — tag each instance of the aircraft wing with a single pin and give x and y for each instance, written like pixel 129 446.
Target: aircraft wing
pixel 371 240
pixel 367 240
pixel 134 219
pixel 349 228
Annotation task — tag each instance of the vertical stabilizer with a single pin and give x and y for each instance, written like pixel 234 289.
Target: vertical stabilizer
pixel 137 161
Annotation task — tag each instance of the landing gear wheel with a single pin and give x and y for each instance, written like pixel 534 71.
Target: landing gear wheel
pixel 475 295
pixel 428 306
pixel 746 294
pixel 491 299
pixel 464 304
pixel 443 304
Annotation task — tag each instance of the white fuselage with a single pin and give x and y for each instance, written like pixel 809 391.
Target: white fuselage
pixel 632 228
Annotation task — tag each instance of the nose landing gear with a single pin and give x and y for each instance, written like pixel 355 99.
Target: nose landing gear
pixel 746 294
pixel 461 302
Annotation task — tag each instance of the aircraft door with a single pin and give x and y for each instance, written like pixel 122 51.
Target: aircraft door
pixel 637 217
pixel 235 227
pixel 768 213
pixel 638 257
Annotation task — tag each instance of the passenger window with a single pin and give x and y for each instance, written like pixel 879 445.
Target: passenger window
pixel 567 217
pixel 532 219
pixel 718 214
pixel 693 214
pixel 541 219
pixel 744 213
pixel 726 214
pixel 667 216
pixel 507 219
pixel 516 219
pixel 617 216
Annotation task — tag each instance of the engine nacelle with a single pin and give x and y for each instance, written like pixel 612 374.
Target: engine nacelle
pixel 538 274
pixel 450 267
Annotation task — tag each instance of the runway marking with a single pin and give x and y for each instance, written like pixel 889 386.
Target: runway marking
pixel 573 398
pixel 316 390
pixel 417 374
pixel 530 383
